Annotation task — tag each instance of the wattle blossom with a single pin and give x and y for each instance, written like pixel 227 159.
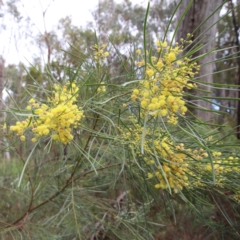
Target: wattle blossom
pixel 166 77
pixel 55 118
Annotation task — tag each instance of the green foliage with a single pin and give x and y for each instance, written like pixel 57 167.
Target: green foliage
pixel 127 169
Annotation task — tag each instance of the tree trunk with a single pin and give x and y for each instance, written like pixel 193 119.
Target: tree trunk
pixel 236 30
pixel 198 12
pixel 1 102
pixel 1 87
pixel 5 153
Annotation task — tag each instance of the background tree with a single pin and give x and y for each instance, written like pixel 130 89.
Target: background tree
pixel 2 145
pixel 227 66
pixel 121 23
pixel 201 20
pixel 236 26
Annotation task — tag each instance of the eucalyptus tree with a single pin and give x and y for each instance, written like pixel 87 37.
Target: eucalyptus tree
pixel 200 18
pixel 226 65
pixel 120 24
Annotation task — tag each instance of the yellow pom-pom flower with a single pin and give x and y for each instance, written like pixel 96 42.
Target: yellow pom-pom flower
pixel 55 118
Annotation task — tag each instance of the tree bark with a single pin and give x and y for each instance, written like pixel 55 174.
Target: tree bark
pixel 1 87
pixel 198 12
pixel 236 31
pixel 1 99
pixel 5 153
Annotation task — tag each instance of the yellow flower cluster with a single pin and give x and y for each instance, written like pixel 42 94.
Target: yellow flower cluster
pixel 236 196
pixel 102 88
pixel 161 93
pixel 99 51
pixel 54 118
pixel 173 172
pixel 170 163
pixel 223 165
